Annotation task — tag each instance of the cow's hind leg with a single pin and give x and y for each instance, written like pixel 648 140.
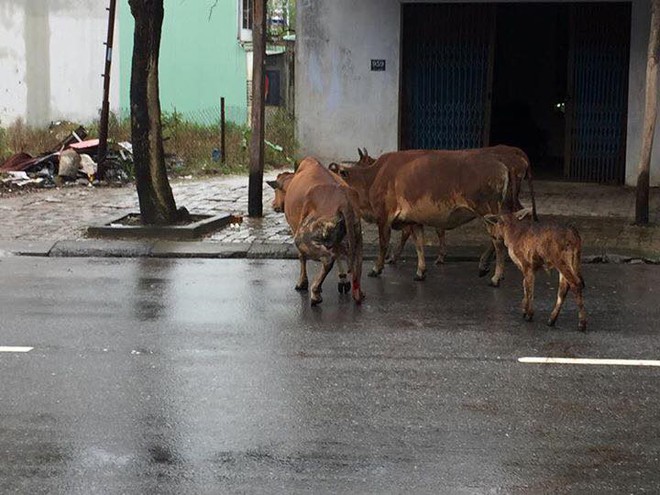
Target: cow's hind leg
pixel 303 282
pixel 561 296
pixel 326 266
pixel 582 313
pixel 528 298
pixel 418 237
pixel 384 234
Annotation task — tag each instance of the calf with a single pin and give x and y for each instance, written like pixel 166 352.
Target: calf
pixel 533 245
pixel 323 215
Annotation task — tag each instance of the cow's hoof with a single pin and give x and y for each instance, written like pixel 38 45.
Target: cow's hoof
pixel 551 322
pixel 582 326
pixel 483 272
pixel 419 278
pixel 440 260
pixel 358 296
pixel 316 299
pixel 344 287
pixel 494 283
pixel 302 287
pixel 391 261
pixel 375 273
pixel 528 317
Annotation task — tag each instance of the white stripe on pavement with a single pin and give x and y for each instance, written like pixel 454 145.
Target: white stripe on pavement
pixel 604 362
pixel 6 348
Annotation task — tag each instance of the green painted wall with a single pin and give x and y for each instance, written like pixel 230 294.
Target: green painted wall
pixel 200 59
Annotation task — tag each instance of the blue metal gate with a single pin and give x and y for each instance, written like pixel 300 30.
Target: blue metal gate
pixel 598 92
pixel 446 75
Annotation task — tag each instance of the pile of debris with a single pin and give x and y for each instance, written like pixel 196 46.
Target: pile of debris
pixel 69 162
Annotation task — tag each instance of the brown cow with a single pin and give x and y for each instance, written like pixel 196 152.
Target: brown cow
pixel 323 215
pixel 534 245
pixel 442 189
pixel 515 159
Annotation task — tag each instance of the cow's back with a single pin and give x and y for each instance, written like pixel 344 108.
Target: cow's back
pixel 441 188
pixel 310 174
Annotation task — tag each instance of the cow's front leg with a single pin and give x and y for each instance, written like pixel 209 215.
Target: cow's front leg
pixel 500 256
pixel 303 282
pixel 442 246
pixel 418 237
pixel 485 259
pixel 326 266
pixel 384 234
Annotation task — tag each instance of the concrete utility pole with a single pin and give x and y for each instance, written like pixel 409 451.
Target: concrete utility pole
pixel 650 114
pixel 105 107
pixel 255 188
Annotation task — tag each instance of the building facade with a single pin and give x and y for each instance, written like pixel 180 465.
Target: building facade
pixel 563 80
pixel 202 58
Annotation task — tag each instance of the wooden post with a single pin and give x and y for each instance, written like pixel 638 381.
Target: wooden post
pixel 255 188
pixel 105 106
pixel 223 140
pixel 650 113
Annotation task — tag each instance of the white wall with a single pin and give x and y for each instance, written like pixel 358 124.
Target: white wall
pixel 51 60
pixel 341 104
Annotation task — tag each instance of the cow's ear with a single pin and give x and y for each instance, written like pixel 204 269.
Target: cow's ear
pixel 334 167
pixel 360 153
pixel 274 184
pixel 491 219
pixel 520 214
pixel 365 152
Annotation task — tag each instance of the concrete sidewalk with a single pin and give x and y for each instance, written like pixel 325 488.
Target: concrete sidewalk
pixel 54 222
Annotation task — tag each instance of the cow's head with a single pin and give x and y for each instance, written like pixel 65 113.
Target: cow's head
pixel 498 224
pixel 358 180
pixel 280 185
pixel 365 160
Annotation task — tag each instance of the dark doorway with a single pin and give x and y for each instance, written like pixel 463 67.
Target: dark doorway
pixel 560 87
pixel 530 83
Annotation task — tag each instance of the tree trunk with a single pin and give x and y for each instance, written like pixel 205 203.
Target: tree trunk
pixel 650 113
pixel 157 206
pixel 255 189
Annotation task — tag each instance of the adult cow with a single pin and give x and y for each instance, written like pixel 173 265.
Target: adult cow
pixel 324 217
pixel 515 159
pixel 438 188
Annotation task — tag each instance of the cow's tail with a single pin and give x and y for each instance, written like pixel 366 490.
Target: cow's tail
pixel 354 238
pixel 531 191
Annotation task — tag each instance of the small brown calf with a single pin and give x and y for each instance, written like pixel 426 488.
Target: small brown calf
pixel 534 245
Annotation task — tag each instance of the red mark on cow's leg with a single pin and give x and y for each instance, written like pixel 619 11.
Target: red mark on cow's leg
pixel 358 295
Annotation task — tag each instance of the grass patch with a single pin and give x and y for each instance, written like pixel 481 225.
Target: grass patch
pixel 191 142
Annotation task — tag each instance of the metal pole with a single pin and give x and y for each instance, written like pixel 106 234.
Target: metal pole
pixel 255 188
pixel 223 142
pixel 105 107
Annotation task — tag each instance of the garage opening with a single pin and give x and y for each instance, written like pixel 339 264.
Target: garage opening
pixel 551 78
pixel 530 83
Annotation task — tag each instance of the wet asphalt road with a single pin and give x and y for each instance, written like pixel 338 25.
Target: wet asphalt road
pixel 215 376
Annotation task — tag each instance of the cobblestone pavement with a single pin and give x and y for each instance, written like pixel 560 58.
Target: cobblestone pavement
pixel 65 213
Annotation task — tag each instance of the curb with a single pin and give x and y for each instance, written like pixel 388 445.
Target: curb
pixel 95 248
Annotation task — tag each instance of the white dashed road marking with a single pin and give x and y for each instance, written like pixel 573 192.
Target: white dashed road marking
pixel 602 362
pixel 6 348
